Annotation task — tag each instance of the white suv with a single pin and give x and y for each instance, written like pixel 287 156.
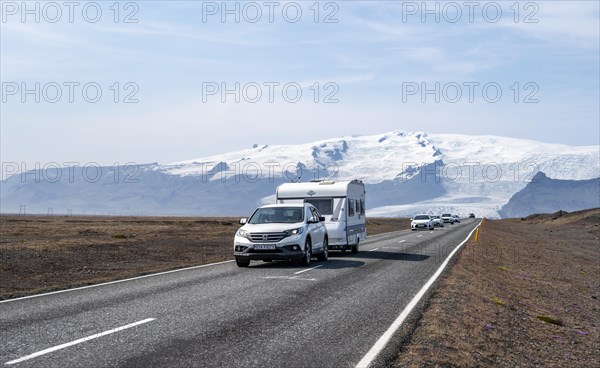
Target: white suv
pixel 446 217
pixel 281 232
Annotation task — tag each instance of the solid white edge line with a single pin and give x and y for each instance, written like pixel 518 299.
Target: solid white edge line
pixel 114 282
pixel 78 341
pixel 308 269
pixel 387 335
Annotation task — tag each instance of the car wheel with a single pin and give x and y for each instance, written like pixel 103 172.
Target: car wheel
pixel 242 262
pixel 324 256
pixel 307 253
pixel 355 247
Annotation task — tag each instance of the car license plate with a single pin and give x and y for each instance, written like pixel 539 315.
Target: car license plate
pixel 264 246
pixel 421 225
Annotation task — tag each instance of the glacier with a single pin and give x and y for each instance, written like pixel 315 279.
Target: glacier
pixel 404 172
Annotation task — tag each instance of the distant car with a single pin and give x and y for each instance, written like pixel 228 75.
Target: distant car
pixel 281 232
pixel 421 222
pixel 437 221
pixel 471 215
pixel 456 218
pixel 448 218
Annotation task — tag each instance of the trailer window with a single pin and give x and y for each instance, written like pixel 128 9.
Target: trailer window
pixel 362 206
pixel 351 207
pixel 323 205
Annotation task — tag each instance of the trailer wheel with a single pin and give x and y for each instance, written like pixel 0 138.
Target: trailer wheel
pixel 355 246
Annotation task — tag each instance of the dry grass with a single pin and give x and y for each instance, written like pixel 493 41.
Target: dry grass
pixel 41 253
pixel 48 253
pixel 526 295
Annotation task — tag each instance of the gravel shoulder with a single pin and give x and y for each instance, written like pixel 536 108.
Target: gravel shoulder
pixel 526 294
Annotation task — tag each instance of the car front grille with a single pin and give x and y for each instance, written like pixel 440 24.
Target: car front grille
pixel 266 237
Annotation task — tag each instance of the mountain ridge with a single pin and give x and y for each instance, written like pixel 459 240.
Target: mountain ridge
pixel 404 172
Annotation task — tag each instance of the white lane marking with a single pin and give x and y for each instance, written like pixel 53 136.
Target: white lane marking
pixel 308 269
pixel 78 341
pixel 418 236
pixel 374 249
pixel 401 241
pixel 288 278
pixel 115 282
pixel 387 335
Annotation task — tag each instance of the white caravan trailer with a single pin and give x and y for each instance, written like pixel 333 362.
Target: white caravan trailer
pixel 342 203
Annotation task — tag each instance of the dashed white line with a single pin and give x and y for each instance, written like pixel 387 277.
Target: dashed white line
pixel 308 269
pixel 78 341
pixel 288 278
pixel 418 236
pixel 401 241
pixel 374 249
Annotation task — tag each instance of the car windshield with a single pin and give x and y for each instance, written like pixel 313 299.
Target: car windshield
pixel 421 217
pixel 447 215
pixel 435 217
pixel 285 215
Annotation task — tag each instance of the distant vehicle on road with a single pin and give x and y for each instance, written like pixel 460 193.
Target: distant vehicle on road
pixel 448 218
pixel 471 215
pixel 456 218
pixel 437 221
pixel 281 232
pixel 421 221
pixel 341 202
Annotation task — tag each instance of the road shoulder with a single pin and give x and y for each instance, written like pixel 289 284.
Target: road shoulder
pixel 526 294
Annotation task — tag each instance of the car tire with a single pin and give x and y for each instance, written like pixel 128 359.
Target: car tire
pixel 324 256
pixel 242 262
pixel 305 261
pixel 355 247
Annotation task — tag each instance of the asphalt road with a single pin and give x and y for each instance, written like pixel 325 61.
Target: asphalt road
pixel 268 315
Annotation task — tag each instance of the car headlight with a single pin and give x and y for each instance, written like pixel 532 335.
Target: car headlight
pixel 297 231
pixel 243 233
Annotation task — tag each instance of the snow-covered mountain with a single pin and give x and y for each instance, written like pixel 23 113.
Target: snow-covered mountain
pixel 405 172
pixel 545 195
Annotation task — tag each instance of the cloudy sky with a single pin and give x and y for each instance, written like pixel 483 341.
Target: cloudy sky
pixel 157 81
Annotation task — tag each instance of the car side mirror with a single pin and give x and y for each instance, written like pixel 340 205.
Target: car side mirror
pixel 321 218
pixel 243 221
